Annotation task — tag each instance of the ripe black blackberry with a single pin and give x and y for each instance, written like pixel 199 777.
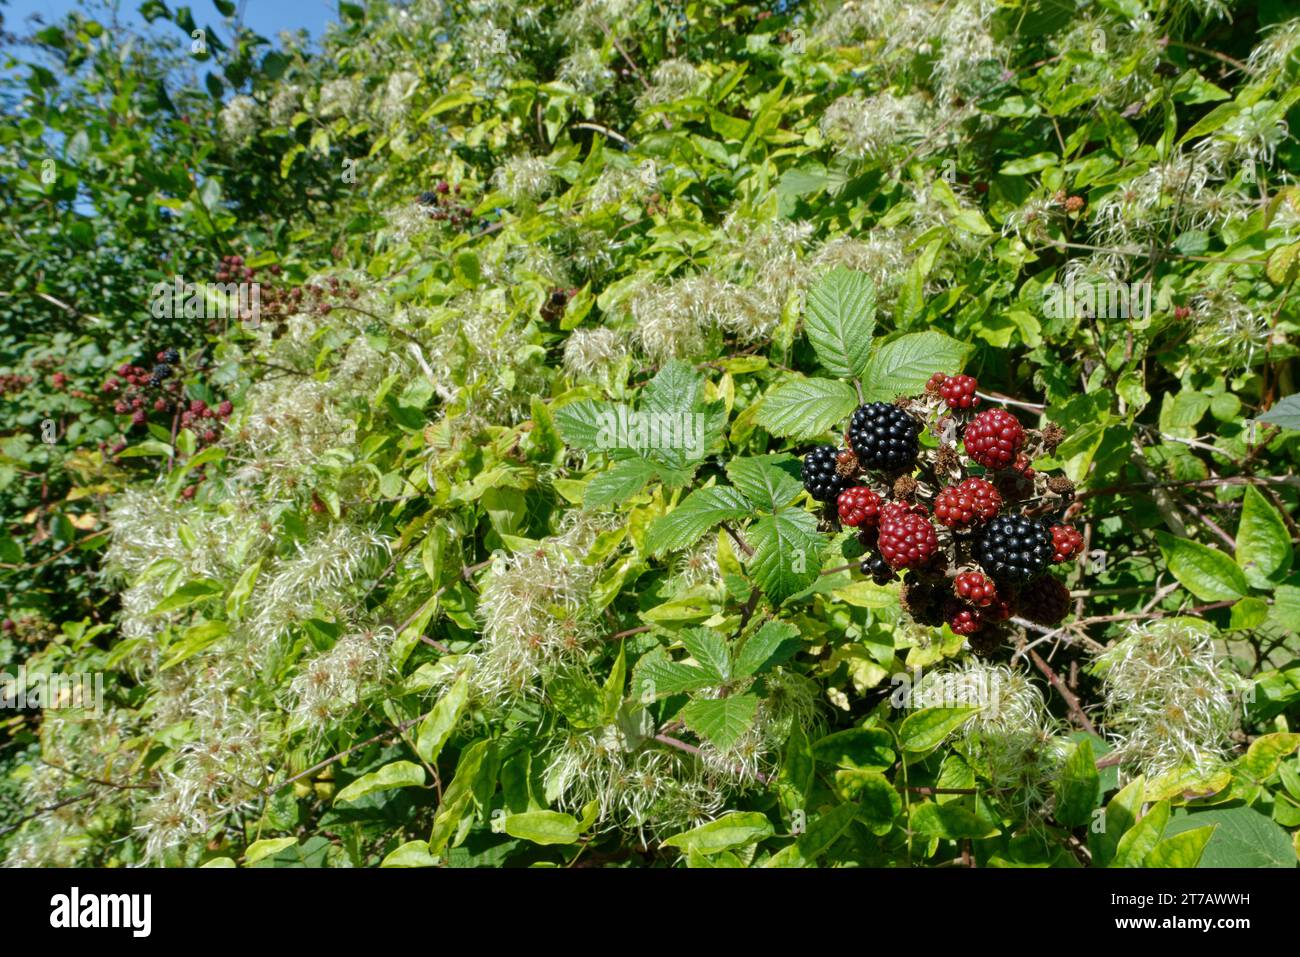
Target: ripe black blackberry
pixel 1012 548
pixel 171 356
pixel 924 601
pixel 884 437
pixel 879 570
pixel 820 478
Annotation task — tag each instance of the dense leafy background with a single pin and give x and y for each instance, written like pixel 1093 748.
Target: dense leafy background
pixel 416 612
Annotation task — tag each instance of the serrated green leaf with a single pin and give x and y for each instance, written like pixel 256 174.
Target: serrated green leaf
pixel 721 720
pixel 904 365
pixel 806 408
pixel 840 319
pixel 698 512
pixel 1243 837
pixel 659 676
pixel 710 650
pixel 580 423
pixel 1283 266
pixel 676 388
pixel 626 479
pixel 786 548
pixel 770 645
pixel 764 482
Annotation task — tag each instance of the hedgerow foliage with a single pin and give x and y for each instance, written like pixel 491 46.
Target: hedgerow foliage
pixel 406 603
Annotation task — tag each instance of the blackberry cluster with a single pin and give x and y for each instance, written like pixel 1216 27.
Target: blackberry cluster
pixel 132 385
pixel 884 437
pixel 556 303
pixel 1015 549
pixel 13 382
pixel 277 301
pixel 819 474
pixel 139 392
pixel 973 549
pixel 443 207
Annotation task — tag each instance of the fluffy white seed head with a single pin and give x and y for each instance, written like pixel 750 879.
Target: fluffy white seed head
pixel 1169 699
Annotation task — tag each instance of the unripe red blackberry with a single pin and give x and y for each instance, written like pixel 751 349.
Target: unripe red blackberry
pixel 993 438
pixel 973 501
pixel 1044 601
pixel 884 437
pixel 1012 548
pixel 1022 465
pixel 1067 542
pixel 859 506
pixel 975 588
pixel 959 391
pixel 907 540
pixel 820 478
pixel 964 621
